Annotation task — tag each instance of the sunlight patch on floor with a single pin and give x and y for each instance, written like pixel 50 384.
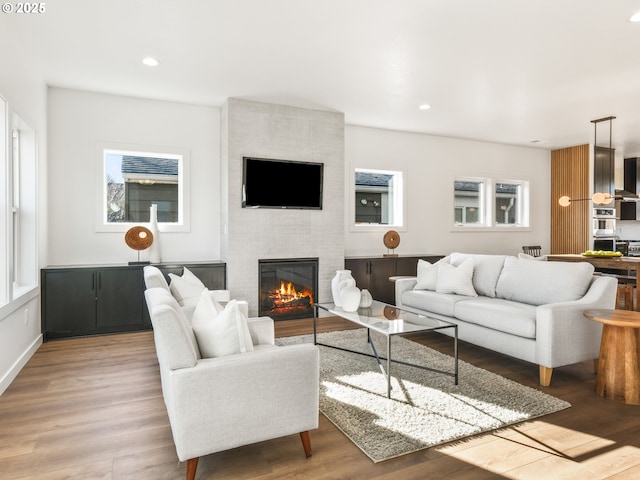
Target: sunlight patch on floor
pixel 536 446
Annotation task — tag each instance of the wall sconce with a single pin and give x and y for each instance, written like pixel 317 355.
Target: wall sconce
pixel 597 198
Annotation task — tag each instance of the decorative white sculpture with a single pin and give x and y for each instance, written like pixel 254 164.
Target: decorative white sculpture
pixel 154 249
pixel 350 298
pixel 365 298
pixel 337 285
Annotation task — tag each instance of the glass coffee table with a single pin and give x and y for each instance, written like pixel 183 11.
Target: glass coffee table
pixel 388 321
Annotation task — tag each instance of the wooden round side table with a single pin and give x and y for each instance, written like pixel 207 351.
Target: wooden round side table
pixel 619 361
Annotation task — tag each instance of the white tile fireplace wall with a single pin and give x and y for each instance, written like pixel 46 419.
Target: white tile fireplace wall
pixel 250 128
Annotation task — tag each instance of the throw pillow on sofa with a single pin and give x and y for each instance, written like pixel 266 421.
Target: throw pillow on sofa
pixel 220 333
pixel 456 280
pixel 539 283
pixel 428 274
pixel 486 270
pixel 186 288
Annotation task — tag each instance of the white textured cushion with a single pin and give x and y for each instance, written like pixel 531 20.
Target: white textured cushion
pixel 456 279
pixel 221 295
pixel 187 288
pixel 220 333
pixel 539 283
pixel 190 276
pixel 153 278
pixel 428 274
pixel 432 302
pixel 174 337
pixel 486 270
pixel 515 318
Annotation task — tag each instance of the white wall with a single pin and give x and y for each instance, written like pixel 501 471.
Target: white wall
pixel 431 164
pixel 78 121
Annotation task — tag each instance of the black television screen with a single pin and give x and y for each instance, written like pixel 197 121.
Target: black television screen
pixel 281 184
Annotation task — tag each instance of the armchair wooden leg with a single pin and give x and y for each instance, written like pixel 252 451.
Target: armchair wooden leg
pixel 306 442
pixel 192 465
pixel 545 376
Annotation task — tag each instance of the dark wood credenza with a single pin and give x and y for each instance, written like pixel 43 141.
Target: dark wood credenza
pixel 101 299
pixel 373 272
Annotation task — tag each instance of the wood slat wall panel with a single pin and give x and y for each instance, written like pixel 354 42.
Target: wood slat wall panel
pixel 570 176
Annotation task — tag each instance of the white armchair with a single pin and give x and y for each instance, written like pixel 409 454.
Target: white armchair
pixel 216 404
pixel 154 278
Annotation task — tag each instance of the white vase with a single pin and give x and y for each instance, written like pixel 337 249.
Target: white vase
pixel 365 298
pixel 350 298
pixel 154 249
pixel 341 275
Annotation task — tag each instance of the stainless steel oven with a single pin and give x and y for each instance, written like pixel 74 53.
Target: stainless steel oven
pixel 608 244
pixel 604 212
pixel 604 222
pixel 604 227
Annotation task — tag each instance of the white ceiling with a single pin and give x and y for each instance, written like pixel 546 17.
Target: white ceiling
pixel 508 71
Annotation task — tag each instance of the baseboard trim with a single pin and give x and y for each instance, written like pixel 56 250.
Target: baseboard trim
pixel 13 372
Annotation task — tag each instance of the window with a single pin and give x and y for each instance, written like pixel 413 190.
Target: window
pixel 469 201
pixel 133 180
pixel 4 186
pixel 15 205
pixel 379 198
pixel 510 203
pixel 21 239
pixel 483 202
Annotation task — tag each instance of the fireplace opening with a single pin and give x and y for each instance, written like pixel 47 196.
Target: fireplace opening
pixel 287 287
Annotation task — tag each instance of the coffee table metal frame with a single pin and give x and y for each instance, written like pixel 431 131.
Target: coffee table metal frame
pixel 376 318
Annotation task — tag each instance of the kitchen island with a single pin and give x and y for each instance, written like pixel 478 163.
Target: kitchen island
pixel 622 264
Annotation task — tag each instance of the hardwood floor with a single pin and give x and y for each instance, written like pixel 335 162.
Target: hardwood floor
pixel 92 408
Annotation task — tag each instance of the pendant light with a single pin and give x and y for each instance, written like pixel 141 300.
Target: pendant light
pixel 598 198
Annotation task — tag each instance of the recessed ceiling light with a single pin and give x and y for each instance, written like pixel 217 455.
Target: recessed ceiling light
pixel 635 17
pixel 424 106
pixel 150 62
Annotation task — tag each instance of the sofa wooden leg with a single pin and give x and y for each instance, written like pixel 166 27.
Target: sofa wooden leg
pixel 545 376
pixel 306 442
pixel 192 465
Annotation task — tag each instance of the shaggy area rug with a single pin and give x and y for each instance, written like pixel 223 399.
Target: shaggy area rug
pixel 425 408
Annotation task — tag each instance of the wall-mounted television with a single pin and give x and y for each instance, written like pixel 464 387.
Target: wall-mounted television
pixel 268 183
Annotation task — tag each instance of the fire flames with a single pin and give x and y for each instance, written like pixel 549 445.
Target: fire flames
pixel 288 296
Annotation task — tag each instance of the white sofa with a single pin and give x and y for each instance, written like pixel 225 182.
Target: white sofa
pixel 223 402
pixel 527 309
